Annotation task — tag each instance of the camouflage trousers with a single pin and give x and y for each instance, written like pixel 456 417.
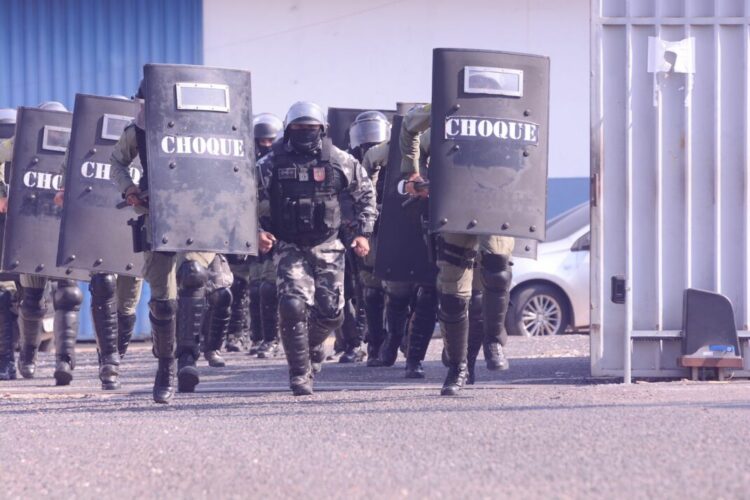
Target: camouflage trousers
pixel 314 275
pixel 454 279
pixel 160 270
pixel 128 290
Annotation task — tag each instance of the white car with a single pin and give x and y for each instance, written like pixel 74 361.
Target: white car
pixel 551 294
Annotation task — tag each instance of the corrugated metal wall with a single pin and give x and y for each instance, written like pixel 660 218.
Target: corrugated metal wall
pixel 52 49
pixel 670 160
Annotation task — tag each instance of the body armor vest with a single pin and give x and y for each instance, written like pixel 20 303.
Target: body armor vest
pixel 304 193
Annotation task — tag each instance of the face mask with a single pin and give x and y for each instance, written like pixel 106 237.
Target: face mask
pixel 305 140
pixel 262 150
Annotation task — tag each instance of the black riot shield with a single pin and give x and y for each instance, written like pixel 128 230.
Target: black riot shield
pixel 339 121
pixel 402 251
pixel 33 221
pixel 489 118
pixel 201 161
pixel 94 234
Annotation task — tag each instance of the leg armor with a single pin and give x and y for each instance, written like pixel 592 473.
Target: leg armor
pixel 32 311
pixel 163 326
pixel 294 336
pixel 476 332
pixel 7 320
pixel 397 317
pixel 67 301
pixel 496 276
pixel 454 322
pixel 421 328
pixel 240 309
pixel 104 314
pixel 191 307
pixel 269 311
pixel 215 325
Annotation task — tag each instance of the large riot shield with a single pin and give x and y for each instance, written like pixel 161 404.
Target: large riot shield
pixel 94 234
pixel 339 121
pixel 489 118
pixel 401 252
pixel 200 159
pixel 33 221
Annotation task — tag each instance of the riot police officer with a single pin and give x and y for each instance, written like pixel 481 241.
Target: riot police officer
pixel 8 287
pixel 303 176
pixel 456 255
pixel 187 288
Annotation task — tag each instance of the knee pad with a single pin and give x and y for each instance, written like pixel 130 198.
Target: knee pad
pixel 103 285
pixel 327 304
pixel 426 298
pixel 495 272
pixel 268 291
pixel 453 308
pixel 292 309
pixel 221 298
pixel 32 303
pixel 67 297
pixel 162 309
pixel 191 275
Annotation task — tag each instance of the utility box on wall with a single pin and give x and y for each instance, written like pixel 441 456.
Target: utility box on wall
pixel 670 180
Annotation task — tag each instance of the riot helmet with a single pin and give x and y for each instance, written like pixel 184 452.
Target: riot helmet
pixel 304 126
pixel 266 129
pixel 8 116
pixel 53 106
pixel 368 129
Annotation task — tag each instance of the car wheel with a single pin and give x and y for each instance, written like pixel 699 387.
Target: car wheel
pixel 537 310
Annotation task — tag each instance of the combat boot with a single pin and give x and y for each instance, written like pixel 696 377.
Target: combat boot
pixel 269 312
pixel 320 327
pixel 125 329
pixel 163 326
pixel 191 307
pixel 256 318
pixel 104 313
pixel 7 319
pixel 476 334
pixel 396 316
pixel 352 355
pixel 67 300
pixel 269 349
pixel 294 337
pixel 421 328
pixel 454 323
pixel 32 310
pixel 496 275
pixel 216 324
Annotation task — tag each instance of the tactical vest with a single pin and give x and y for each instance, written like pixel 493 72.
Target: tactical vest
pixel 140 138
pixel 304 191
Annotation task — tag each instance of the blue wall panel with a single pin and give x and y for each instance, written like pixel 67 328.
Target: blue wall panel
pixel 51 49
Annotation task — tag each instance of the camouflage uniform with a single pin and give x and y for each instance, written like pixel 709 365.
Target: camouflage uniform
pixel 182 285
pixel 456 256
pixel 310 278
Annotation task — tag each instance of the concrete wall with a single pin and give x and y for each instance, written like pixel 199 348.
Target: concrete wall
pixel 371 53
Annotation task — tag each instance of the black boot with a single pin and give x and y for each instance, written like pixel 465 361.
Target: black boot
pixel 496 276
pixel 421 328
pixel 32 311
pixel 67 301
pixel 269 311
pixel 294 336
pixel 352 335
pixel 163 326
pixel 104 313
pixel 7 320
pixel 374 299
pixel 476 334
pixel 217 319
pixel 125 329
pixel 256 319
pixel 396 316
pixel 454 322
pixel 320 328
pixel 191 307
pixel 240 310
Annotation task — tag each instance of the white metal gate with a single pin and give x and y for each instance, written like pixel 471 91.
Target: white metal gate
pixel 670 178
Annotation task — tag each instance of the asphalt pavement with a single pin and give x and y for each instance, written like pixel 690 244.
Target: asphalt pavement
pixel 543 429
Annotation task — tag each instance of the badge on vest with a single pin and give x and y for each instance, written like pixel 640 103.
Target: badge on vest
pixel 319 174
pixel 286 174
pixel 303 175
